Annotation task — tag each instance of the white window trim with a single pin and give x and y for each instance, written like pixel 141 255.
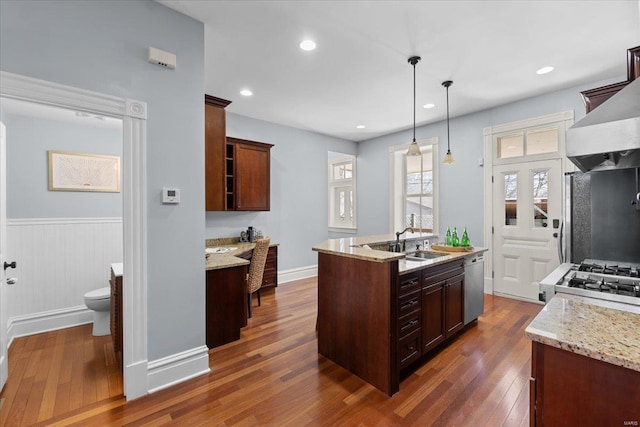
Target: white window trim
pixel 563 120
pixel 332 184
pixel 396 185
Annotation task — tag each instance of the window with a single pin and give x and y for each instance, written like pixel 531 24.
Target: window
pixel 527 143
pixel 415 189
pixel 342 192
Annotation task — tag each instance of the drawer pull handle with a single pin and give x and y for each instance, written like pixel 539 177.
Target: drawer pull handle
pixel 409 325
pixel 410 283
pixel 409 303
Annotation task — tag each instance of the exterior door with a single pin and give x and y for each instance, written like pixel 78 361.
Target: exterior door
pixel 527 210
pixel 3 251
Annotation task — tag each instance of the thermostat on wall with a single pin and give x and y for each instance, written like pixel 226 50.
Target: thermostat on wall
pixel 170 195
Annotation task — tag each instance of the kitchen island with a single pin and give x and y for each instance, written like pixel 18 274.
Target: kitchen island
pixel 380 313
pixel 585 367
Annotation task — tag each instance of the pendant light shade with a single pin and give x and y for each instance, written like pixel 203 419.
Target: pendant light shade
pixel 448 158
pixel 414 148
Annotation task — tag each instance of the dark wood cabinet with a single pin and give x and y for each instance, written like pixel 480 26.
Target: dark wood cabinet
pixel 215 134
pixel 442 303
pixel 248 173
pixel 570 389
pixel 454 305
pixel 225 304
pixel 433 316
pixel 116 314
pixel 377 323
pixel 594 97
pixel 237 171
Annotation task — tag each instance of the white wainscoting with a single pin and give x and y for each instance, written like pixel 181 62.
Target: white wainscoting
pixel 58 261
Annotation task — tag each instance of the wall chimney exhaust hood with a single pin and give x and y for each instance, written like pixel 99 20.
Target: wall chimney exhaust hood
pixel 609 136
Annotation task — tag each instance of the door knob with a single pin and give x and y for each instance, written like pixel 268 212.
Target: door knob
pixel 12 281
pixel 9 265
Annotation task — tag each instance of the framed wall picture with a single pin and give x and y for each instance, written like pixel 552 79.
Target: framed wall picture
pixel 83 172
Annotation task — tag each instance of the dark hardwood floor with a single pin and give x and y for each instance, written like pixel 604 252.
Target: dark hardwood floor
pixel 274 376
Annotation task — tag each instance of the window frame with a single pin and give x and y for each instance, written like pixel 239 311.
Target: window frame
pixel 334 186
pixel 397 188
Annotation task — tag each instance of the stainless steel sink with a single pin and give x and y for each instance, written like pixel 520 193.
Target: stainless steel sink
pixel 424 255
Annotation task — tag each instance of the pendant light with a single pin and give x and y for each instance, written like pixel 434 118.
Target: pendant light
pixel 414 148
pixel 448 158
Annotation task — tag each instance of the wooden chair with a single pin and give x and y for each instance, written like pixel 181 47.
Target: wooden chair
pixel 256 270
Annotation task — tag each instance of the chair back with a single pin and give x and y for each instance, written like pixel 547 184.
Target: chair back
pixel 258 261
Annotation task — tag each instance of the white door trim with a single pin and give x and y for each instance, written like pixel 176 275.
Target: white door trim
pixel 133 114
pixel 565 120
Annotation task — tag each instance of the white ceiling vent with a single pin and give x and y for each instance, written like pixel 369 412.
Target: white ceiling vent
pixel 162 58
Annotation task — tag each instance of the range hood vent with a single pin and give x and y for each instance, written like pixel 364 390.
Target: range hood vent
pixel 609 136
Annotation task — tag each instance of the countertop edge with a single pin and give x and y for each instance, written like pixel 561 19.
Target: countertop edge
pixel 603 353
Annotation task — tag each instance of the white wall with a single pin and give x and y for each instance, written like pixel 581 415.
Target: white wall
pixel 462 183
pixel 102 46
pixel 298 218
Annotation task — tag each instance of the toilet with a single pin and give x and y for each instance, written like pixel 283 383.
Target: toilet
pixel 99 301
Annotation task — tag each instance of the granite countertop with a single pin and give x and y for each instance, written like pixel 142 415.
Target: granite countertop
pixel 232 247
pixel 351 247
pixel 599 329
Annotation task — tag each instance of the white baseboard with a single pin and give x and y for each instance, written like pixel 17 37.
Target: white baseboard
pixel 299 273
pixel 46 321
pixel 178 368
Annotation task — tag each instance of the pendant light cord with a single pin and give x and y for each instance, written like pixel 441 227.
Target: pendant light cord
pixel 448 137
pixel 414 102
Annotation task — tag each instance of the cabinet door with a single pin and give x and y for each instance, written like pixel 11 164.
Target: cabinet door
pixel 454 304
pixel 432 316
pixel 252 175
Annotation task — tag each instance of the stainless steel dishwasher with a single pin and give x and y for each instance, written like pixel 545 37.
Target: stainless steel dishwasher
pixel 473 287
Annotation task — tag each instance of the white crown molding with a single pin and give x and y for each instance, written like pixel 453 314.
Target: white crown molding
pixel 533 122
pixel 56 221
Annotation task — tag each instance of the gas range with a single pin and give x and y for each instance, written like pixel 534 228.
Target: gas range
pixel 607 280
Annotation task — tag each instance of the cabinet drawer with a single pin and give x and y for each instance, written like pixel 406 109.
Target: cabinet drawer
pixel 409 283
pixel 442 272
pixel 408 303
pixel 409 349
pixel 409 323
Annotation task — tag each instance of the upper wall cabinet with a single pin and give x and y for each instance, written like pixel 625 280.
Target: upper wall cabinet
pixel 238 171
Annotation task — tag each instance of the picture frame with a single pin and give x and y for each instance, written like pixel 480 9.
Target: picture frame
pixel 70 171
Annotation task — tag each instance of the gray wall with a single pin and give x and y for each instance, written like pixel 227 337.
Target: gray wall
pixel 102 46
pixel 28 141
pixel 462 183
pixel 298 218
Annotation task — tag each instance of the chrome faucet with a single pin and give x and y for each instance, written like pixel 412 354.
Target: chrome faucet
pixel 404 242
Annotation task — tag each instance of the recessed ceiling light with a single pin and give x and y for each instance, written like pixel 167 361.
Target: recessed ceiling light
pixel 360 127
pixel 545 70
pixel 307 45
pixel 429 105
pixel 246 92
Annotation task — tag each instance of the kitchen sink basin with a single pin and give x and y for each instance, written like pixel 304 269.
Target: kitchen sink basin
pixel 424 255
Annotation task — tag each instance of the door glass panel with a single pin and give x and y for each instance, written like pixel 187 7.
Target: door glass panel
pixel 542 141
pixel 540 182
pixel 510 146
pixel 511 199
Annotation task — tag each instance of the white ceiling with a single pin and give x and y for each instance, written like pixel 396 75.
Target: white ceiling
pixel 359 72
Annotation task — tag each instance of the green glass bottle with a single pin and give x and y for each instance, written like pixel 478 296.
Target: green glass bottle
pixel 465 239
pixel 454 238
pixel 447 237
